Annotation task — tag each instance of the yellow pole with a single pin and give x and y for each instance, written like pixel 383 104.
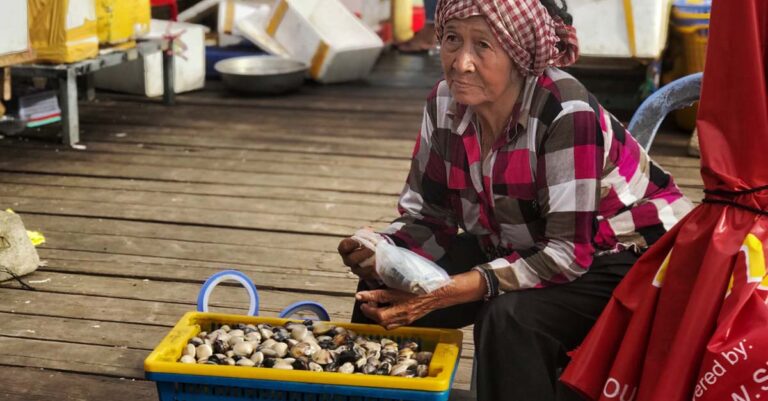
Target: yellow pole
pixel 402 20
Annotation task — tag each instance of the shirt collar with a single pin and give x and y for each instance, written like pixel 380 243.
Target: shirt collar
pixel 462 115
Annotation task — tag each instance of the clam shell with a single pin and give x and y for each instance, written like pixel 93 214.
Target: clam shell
pixel 423 357
pixel 245 362
pixel 257 358
pixel 243 349
pixel 281 364
pixel 189 350
pixel 203 351
pixel 281 349
pixel 188 359
pixel 346 368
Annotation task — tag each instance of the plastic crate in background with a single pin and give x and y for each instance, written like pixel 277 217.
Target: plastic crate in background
pixel 690 21
pixel 177 381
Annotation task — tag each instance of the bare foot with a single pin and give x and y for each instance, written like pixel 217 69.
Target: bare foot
pixel 422 41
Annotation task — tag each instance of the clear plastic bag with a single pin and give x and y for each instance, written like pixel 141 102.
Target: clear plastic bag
pixel 400 268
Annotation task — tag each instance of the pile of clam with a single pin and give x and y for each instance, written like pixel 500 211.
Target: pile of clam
pixel 313 346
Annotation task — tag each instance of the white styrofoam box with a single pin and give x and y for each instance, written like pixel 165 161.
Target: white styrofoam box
pixel 602 29
pixel 13 27
pixel 335 44
pixel 252 28
pixel 232 11
pixel 144 76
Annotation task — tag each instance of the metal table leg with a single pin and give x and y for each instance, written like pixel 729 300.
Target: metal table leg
pixel 69 113
pixel 169 86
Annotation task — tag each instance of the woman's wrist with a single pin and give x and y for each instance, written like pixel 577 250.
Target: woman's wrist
pixel 464 288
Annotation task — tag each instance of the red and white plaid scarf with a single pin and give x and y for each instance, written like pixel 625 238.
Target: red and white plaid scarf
pixel 532 38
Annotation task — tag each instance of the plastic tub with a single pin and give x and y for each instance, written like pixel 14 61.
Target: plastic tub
pixel 178 381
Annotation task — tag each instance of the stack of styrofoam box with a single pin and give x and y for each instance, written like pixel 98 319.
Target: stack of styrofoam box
pixel 144 76
pixel 602 29
pixel 232 12
pixel 371 12
pixel 335 44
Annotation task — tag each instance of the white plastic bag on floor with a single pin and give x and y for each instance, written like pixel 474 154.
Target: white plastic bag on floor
pixel 401 269
pixel 17 252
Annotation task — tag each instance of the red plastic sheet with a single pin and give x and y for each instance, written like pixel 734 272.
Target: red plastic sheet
pixel 690 321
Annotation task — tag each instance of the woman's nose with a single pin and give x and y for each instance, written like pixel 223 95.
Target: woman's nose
pixel 465 60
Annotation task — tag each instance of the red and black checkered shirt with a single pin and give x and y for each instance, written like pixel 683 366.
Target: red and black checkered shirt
pixel 567 181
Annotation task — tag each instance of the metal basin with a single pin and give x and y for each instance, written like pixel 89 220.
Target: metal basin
pixel 266 75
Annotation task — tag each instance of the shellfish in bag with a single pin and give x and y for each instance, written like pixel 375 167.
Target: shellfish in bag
pixel 400 268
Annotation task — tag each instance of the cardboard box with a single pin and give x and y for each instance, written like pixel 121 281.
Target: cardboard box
pixel 63 31
pixel 324 34
pixel 144 76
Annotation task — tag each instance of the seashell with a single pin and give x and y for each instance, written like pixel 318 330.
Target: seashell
pixel 189 350
pixel 245 362
pixel 347 356
pixel 301 363
pixel 422 370
pixel 202 334
pixel 281 334
pixel 257 358
pixel 372 346
pixel 346 368
pixel 327 344
pixel 243 349
pixel 230 361
pixel 196 341
pixel 361 362
pixel 384 369
pixel 235 340
pixel 405 353
pixel 340 339
pixel 281 349
pixel 323 357
pixel 225 328
pixel 323 338
pixel 268 362
pixel 237 333
pixel 269 352
pixel 373 361
pixel 351 335
pixel 423 357
pixel 203 351
pixel 299 332
pixel 399 370
pixel 302 349
pixel 321 328
pixel 281 364
pixel 240 326
pixel 188 359
pixel 249 328
pixel 265 333
pixel 289 360
pixel 230 354
pixel 314 367
pixel 410 344
pixel 220 346
pixel 369 369
pixel 255 344
pixel 385 341
pixel 267 344
pixel 253 336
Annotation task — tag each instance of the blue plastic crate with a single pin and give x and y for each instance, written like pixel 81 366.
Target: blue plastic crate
pixel 175 387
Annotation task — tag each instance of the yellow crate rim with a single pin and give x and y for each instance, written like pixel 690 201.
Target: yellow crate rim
pixel 686 15
pixel 165 356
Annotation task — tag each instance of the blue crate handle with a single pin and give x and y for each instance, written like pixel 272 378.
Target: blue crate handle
pixel 306 306
pixel 213 281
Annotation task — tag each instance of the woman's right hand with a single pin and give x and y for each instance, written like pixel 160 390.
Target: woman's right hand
pixel 359 258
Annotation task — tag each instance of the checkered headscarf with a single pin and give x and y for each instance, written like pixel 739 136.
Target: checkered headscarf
pixel 532 38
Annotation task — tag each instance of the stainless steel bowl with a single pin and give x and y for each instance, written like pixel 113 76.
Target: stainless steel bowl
pixel 266 75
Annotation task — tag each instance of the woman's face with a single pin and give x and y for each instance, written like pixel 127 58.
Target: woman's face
pixel 477 68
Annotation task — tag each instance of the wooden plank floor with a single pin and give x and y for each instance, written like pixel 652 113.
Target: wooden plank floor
pixel 166 196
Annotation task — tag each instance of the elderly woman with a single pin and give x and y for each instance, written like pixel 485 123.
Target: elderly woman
pixel 554 197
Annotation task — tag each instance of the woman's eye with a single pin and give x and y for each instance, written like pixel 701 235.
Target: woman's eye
pixel 451 38
pixel 485 45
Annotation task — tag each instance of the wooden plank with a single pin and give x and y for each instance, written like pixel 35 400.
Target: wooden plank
pixel 30 384
pixel 253 192
pixel 294 261
pixel 107 361
pixel 200 235
pixel 180 293
pixel 170 214
pixel 206 204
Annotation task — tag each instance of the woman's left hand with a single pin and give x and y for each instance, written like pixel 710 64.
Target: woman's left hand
pixel 404 308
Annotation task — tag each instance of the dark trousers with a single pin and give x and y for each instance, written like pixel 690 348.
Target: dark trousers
pixel 521 337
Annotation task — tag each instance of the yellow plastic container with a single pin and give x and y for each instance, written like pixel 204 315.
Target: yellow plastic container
pixel 694 40
pixel 444 343
pixel 116 20
pixel 63 31
pixel 143 17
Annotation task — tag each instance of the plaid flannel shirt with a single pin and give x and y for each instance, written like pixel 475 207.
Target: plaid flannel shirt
pixel 567 181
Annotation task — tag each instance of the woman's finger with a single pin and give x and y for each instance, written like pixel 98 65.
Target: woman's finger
pixel 347 245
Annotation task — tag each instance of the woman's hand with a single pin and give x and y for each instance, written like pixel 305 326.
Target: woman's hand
pixel 359 259
pixel 404 308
